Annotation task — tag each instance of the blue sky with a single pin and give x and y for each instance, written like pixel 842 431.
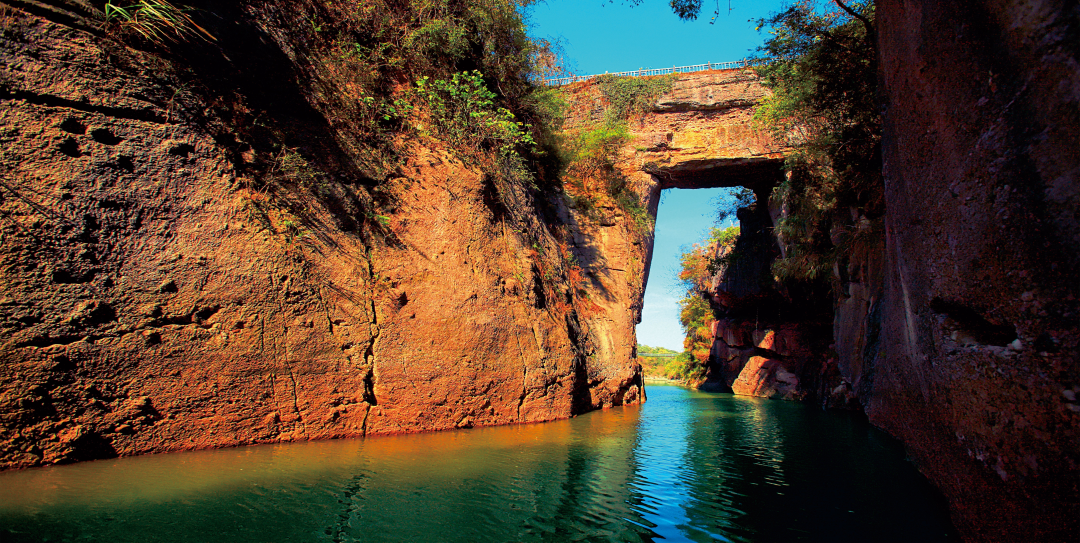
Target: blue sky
pixel 597 37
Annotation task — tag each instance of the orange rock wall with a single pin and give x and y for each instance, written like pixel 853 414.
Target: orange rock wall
pixel 152 300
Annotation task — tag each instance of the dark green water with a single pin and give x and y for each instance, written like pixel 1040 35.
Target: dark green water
pixel 685 466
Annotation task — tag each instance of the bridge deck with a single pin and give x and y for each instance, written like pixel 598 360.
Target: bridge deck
pixel 744 63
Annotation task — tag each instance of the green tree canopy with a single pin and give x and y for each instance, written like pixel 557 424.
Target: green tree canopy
pixel 824 105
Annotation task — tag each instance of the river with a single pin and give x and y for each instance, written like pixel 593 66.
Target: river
pixel 685 466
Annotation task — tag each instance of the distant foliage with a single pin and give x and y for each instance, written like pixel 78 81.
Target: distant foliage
pixel 682 367
pixel 724 237
pixel 652 350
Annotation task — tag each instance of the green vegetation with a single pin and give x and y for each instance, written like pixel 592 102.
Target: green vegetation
pixel 667 367
pixel 824 104
pixel 724 237
pixel 645 349
pixel 589 171
pixel 157 21
pixel 590 153
pixel 460 71
pixel 628 97
pixel 464 112
pixel 680 367
pixel 696 317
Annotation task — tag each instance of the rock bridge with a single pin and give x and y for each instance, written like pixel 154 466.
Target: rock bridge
pixel 698 135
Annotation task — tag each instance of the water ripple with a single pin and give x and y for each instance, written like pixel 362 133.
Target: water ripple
pixel 684 467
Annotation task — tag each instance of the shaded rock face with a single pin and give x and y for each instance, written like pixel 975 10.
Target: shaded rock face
pixel 767 342
pixel 979 330
pixel 152 300
pixel 857 318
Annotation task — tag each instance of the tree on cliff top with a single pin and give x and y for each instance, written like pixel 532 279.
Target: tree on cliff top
pixel 824 104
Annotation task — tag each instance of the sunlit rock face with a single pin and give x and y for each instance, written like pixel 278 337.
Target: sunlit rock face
pixel 980 364
pixel 154 298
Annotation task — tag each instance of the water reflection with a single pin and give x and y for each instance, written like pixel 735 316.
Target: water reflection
pixel 685 466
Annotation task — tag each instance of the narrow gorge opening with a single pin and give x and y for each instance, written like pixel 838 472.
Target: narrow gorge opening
pixel 738 327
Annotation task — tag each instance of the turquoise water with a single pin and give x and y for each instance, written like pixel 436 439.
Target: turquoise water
pixel 685 466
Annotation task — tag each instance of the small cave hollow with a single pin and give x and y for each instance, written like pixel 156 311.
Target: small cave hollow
pixel 73 126
pixel 968 326
pixel 105 136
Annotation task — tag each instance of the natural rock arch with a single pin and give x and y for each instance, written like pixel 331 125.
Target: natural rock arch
pixel 698 135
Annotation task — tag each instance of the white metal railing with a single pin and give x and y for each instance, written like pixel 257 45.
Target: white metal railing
pixel 744 63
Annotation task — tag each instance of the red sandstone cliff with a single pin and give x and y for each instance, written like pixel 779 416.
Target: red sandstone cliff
pixel 153 301
pixel 979 363
pixel 153 298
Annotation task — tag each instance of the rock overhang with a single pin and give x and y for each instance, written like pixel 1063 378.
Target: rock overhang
pixel 750 172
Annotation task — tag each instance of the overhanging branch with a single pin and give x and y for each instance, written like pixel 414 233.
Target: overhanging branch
pixel 866 22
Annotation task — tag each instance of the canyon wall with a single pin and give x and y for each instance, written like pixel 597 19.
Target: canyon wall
pixel 155 297
pixel 959 332
pixel 158 297
pixel 981 343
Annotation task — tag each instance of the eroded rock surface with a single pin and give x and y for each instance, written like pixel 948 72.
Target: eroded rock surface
pixel 981 360
pixel 154 298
